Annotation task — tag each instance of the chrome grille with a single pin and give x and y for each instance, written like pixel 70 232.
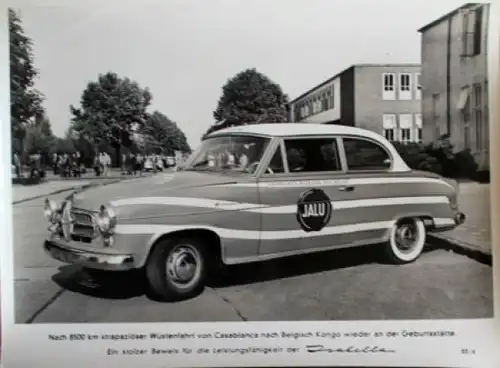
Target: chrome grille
pixel 83 225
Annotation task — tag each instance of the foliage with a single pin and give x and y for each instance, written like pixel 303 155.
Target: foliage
pixel 25 100
pixel 161 135
pixel 110 109
pixel 39 137
pixel 249 97
pixel 439 157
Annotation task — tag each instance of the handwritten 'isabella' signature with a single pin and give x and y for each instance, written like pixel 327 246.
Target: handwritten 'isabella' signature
pixel 350 349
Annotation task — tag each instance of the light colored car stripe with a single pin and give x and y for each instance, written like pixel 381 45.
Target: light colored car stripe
pixel 267 209
pixel 253 234
pixel 338 182
pixel 158 230
pixel 185 202
pixel 359 203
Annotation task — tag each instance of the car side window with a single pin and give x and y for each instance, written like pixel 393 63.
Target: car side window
pixel 312 154
pixel 276 165
pixel 365 155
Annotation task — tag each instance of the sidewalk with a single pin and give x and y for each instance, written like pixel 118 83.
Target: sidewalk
pixel 21 193
pixel 475 234
pixel 90 175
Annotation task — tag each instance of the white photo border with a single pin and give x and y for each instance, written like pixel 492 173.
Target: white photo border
pixel 29 345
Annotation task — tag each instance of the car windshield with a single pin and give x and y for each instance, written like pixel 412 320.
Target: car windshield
pixel 229 153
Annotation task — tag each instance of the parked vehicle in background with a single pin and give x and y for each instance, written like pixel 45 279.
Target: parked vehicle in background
pixel 170 161
pixel 289 189
pixel 148 164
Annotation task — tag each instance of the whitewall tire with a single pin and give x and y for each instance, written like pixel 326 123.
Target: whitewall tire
pixel 406 240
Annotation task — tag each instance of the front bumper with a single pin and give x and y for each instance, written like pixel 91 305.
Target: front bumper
pixel 89 258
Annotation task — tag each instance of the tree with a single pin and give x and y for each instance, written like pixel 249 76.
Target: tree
pixel 25 100
pixel 39 137
pixel 160 134
pixel 249 97
pixel 111 108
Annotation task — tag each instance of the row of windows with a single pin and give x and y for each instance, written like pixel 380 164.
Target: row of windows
pixel 408 86
pixel 322 100
pixel 322 154
pixel 405 128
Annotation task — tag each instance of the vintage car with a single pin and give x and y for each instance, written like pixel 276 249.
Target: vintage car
pixel 290 189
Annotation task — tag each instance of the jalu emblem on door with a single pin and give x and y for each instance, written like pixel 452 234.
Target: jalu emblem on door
pixel 314 210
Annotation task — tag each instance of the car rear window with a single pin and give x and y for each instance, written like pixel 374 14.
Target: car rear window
pixel 362 154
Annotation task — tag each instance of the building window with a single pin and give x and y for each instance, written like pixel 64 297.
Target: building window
pixel 389 126
pixel 464 107
pixel 478 115
pixel 418 87
pixel 486 133
pixel 315 105
pixel 472 23
pixel 405 128
pixel 478 25
pixel 405 86
pixel 332 97
pixel 389 86
pixel 418 128
pixel 324 101
pixel 463 104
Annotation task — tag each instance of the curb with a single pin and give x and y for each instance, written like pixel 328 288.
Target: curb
pixel 463 248
pixel 59 191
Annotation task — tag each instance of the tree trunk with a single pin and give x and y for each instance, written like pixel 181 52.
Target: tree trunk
pixel 119 155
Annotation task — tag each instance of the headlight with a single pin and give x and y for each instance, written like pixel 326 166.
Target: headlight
pixel 106 220
pixel 50 210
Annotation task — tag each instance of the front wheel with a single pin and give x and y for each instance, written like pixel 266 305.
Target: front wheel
pixel 406 240
pixel 177 269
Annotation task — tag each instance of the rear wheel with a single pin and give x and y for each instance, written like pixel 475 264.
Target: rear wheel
pixel 177 269
pixel 406 241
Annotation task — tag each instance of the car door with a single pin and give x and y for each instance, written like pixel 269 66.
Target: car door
pixel 368 208
pixel 297 213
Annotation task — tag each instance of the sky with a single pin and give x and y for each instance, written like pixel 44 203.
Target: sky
pixel 185 50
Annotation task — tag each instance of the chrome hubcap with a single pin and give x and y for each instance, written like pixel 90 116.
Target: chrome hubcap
pixel 182 264
pixel 406 237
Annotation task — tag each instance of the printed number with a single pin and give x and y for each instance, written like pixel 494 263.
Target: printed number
pixel 80 337
pixel 467 352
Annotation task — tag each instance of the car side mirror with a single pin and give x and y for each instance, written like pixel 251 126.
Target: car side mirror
pixel 387 162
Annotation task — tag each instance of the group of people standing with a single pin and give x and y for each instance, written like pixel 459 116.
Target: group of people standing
pixel 133 164
pixel 68 164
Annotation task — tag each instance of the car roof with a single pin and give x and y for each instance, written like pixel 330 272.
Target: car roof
pixel 304 129
pixel 296 129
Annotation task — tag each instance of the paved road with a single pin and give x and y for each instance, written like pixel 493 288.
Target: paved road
pixel 342 285
pixel 475 233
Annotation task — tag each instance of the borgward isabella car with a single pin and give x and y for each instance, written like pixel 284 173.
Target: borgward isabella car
pixel 254 193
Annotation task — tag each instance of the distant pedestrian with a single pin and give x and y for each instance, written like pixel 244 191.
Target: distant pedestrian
pixel 16 161
pixel 55 159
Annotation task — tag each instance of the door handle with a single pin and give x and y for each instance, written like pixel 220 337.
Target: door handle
pixel 346 188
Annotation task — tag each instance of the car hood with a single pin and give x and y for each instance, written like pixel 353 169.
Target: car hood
pixel 179 184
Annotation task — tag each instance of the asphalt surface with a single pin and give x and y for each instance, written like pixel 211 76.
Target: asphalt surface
pixel 342 285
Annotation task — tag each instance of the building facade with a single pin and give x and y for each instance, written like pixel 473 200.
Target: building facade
pixel 455 80
pixel 384 98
